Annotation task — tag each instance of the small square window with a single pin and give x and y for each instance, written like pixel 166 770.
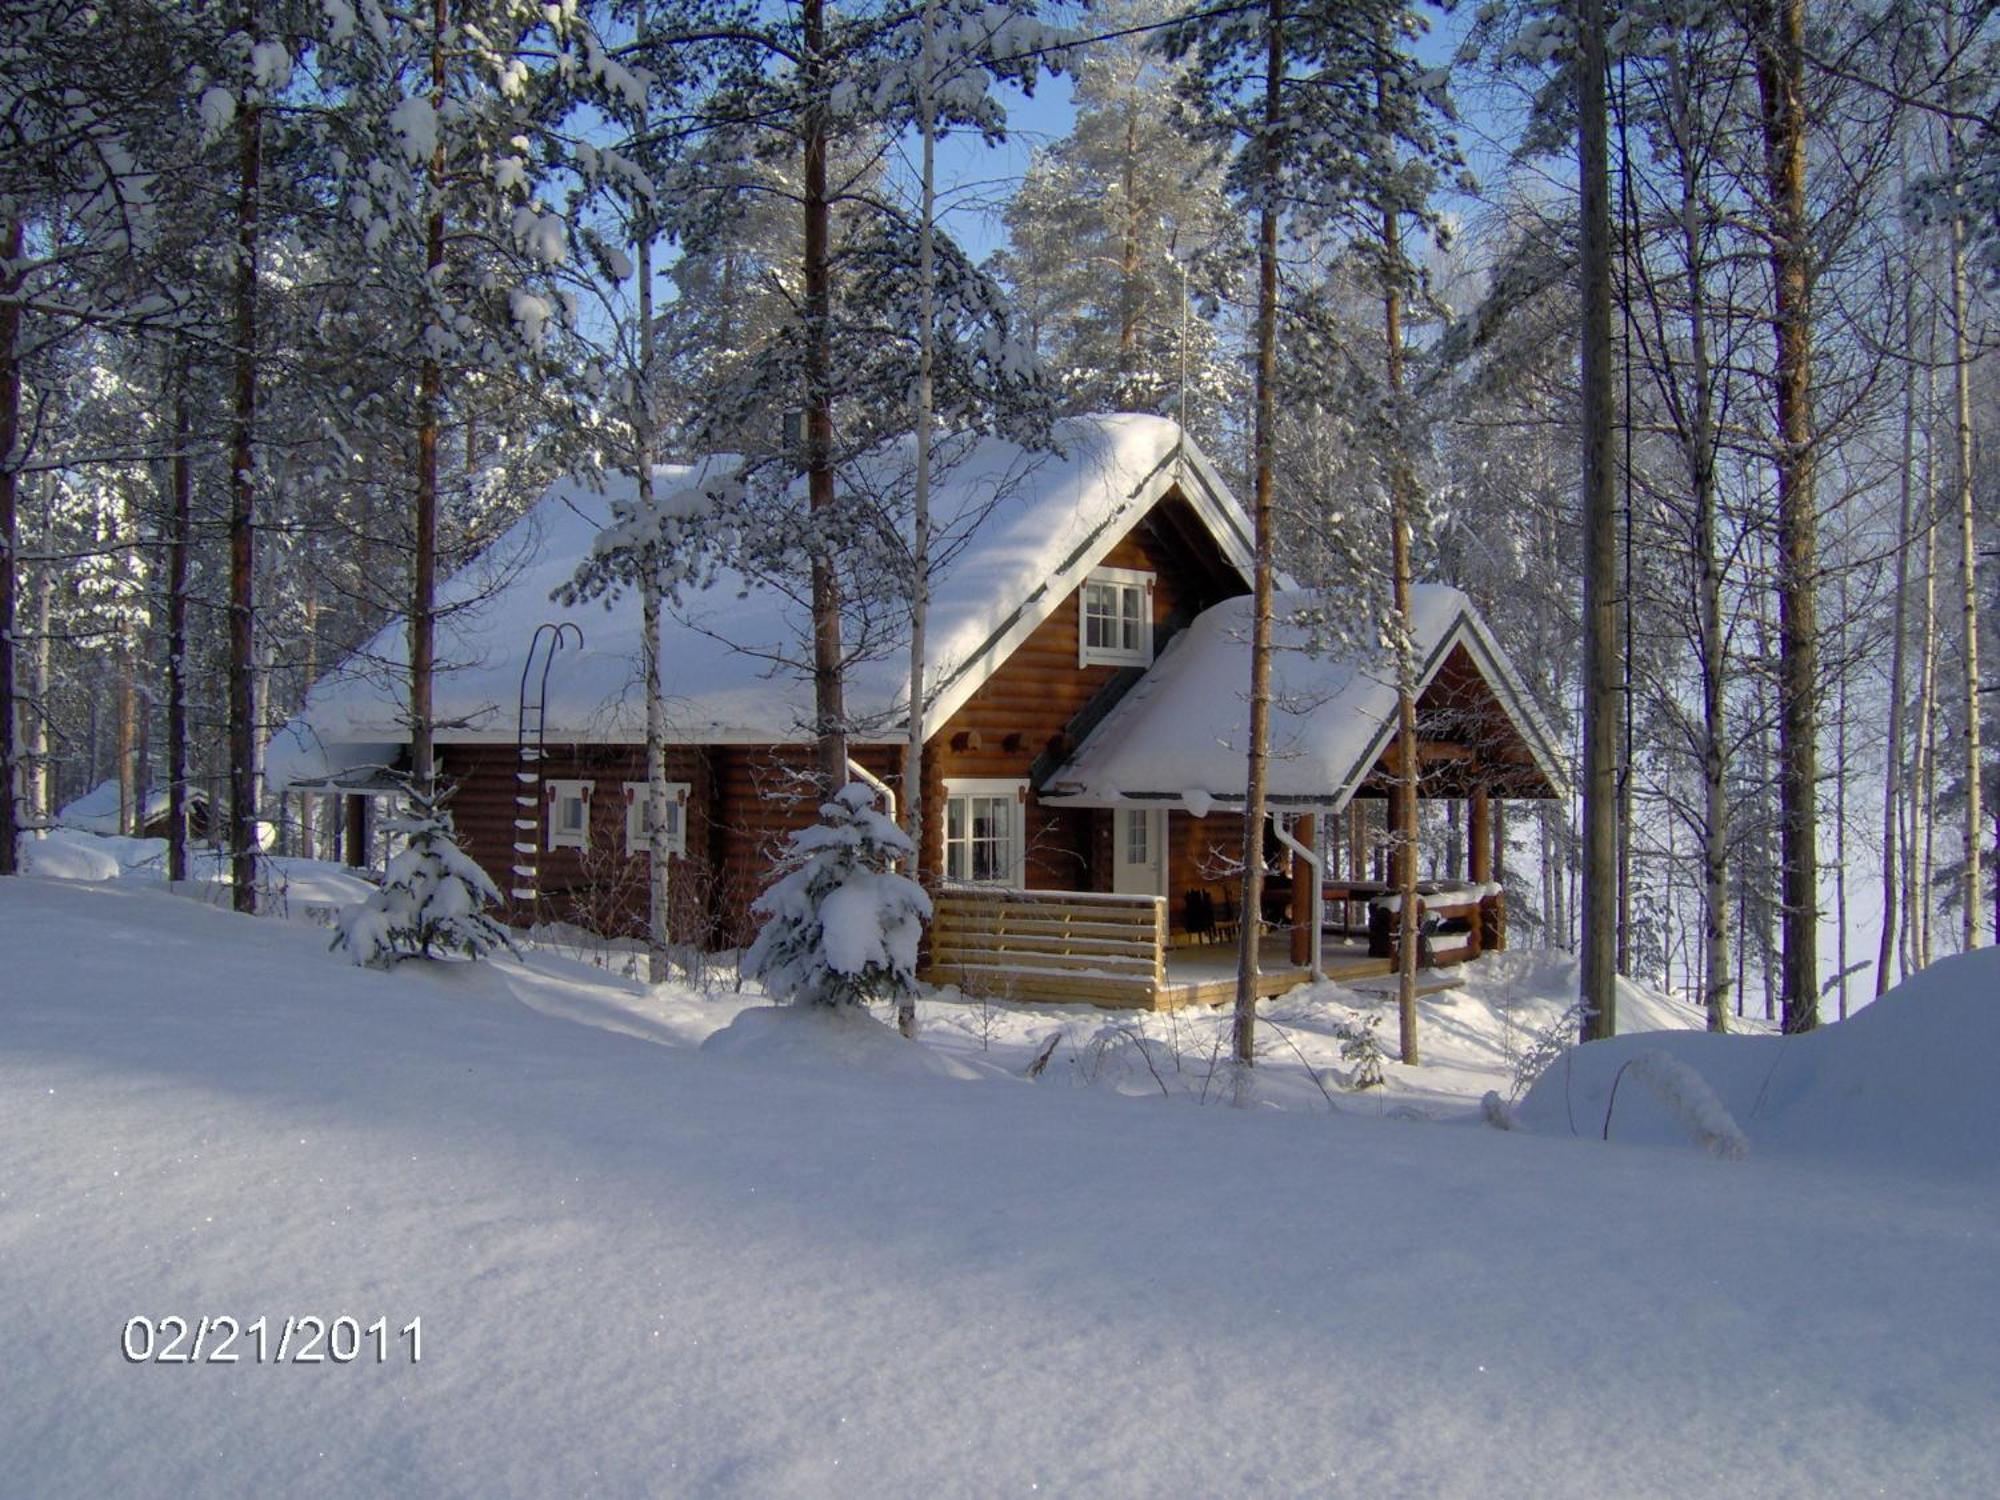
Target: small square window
pixel 569 814
pixel 636 840
pixel 1116 625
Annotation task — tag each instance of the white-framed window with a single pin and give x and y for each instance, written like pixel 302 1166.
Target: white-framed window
pixel 1116 628
pixel 1138 846
pixel 985 828
pixel 636 839
pixel 569 814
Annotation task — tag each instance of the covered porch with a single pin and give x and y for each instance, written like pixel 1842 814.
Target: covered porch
pixel 1165 772
pixel 1120 951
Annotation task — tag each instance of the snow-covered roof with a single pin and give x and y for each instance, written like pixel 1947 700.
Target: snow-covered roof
pixel 1032 525
pixel 1179 735
pixel 96 811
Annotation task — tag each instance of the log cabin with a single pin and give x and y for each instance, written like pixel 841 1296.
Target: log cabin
pixel 1084 717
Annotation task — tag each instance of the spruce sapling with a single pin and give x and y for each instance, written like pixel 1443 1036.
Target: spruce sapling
pixel 841 927
pixel 433 899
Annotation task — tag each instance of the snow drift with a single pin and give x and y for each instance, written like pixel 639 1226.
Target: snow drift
pixel 1906 1083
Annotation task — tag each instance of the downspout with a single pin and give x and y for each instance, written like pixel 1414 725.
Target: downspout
pixel 1281 828
pixel 861 773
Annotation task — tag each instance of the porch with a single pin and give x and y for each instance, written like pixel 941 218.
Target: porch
pixel 1119 951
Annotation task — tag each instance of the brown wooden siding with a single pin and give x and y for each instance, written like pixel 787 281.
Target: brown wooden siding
pixel 1026 707
pixel 744 800
pixel 762 795
pixel 599 886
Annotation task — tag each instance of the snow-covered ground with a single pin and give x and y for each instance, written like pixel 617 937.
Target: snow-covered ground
pixel 812 1260
pixel 289 885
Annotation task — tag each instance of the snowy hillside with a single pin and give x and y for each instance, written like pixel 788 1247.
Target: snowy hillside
pixel 645 1267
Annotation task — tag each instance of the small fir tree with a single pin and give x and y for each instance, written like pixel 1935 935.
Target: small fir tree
pixel 433 900
pixel 842 927
pixel 1360 1046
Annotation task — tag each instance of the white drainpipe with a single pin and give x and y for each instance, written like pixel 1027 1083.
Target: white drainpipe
pixel 861 773
pixel 1281 826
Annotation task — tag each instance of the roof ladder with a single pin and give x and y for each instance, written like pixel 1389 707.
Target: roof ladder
pixel 531 720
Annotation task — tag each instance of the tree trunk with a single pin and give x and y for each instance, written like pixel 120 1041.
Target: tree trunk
pixel 1408 771
pixel 659 909
pixel 39 797
pixel 1968 564
pixel 129 816
pixel 1128 259
pixel 659 893
pixel 1840 806
pixel 1779 40
pixel 1892 767
pixel 1923 806
pixel 1698 455
pixel 1244 1030
pixel 180 537
pixel 10 459
pixel 430 403
pixel 829 696
pixel 920 540
pixel 242 498
pixel 1603 651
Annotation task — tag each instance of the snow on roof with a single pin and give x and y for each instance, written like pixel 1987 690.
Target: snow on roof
pixel 1022 528
pixel 1180 734
pixel 96 811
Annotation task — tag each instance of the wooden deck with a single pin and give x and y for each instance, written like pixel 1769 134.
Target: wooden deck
pixel 1206 974
pixel 1111 951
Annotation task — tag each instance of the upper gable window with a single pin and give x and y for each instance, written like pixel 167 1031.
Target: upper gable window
pixel 1117 626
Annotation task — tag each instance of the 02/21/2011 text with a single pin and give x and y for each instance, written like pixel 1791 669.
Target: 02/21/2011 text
pixel 298 1340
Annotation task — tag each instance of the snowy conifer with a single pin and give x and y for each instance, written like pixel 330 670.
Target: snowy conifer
pixel 1124 247
pixel 433 899
pixel 842 927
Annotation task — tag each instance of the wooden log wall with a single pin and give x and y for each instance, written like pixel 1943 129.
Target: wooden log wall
pixel 1026 707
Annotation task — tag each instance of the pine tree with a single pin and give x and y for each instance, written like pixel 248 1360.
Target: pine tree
pixel 433 900
pixel 1124 243
pixel 1336 133
pixel 842 926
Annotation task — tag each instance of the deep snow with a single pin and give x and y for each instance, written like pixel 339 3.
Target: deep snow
pixel 1906 1083
pixel 649 1268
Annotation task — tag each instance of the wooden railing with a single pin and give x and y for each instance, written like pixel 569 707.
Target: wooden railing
pixel 1460 923
pixel 1049 945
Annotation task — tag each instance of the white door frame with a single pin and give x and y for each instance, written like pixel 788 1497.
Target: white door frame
pixel 1139 879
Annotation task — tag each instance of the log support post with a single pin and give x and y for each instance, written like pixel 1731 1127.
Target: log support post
pixel 1478 864
pixel 1308 893
pixel 357 832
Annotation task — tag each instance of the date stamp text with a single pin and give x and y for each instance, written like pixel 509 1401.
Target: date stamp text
pixel 297 1340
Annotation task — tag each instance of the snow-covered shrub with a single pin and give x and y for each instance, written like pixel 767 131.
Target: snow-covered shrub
pixel 842 927
pixel 1360 1046
pixel 1544 1048
pixel 1687 1097
pixel 1126 1060
pixel 432 901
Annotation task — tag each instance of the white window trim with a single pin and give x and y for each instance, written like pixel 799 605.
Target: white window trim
pixel 1105 656
pixel 636 842
pixel 559 838
pixel 1137 821
pixel 991 786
